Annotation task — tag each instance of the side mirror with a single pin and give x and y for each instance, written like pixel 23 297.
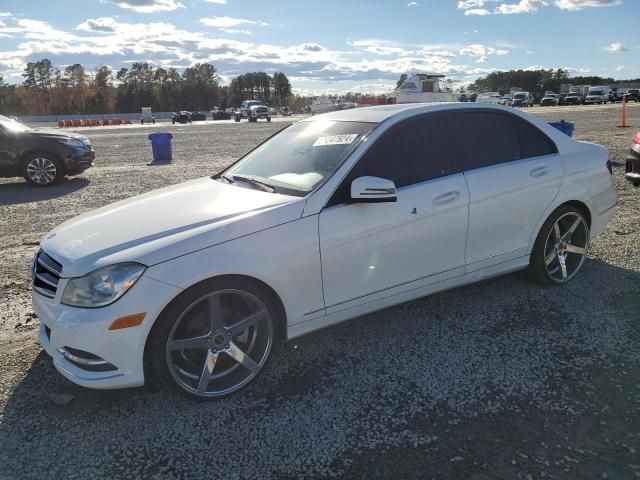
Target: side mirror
pixel 373 190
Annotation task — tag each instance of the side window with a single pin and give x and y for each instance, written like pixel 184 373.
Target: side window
pixel 487 138
pixel 534 142
pixel 414 151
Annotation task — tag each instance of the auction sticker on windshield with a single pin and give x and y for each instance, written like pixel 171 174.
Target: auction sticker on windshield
pixel 335 140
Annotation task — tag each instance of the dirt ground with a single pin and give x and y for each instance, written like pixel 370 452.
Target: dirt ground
pixel 498 380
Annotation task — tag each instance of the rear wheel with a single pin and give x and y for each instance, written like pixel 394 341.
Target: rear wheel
pixel 561 247
pixel 215 338
pixel 42 169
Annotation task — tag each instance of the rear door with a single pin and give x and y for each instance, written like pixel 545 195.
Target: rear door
pixel 513 172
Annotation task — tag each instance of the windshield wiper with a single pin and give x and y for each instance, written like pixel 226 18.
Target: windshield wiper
pixel 255 183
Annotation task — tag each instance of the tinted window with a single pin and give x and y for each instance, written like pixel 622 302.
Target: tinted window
pixel 414 151
pixel 534 142
pixel 487 138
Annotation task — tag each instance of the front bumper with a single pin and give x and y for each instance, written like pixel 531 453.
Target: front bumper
pixel 64 327
pixel 77 161
pixel 632 166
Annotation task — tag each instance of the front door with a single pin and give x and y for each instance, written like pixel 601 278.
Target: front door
pixel 372 250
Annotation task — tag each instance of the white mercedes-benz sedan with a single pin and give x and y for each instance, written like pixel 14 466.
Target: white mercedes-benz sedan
pixel 331 218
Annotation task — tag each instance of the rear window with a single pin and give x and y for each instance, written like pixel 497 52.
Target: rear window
pixel 534 142
pixel 487 139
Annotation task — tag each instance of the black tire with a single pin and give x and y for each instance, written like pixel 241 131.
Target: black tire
pixel 537 270
pixel 156 362
pixel 268 119
pixel 49 162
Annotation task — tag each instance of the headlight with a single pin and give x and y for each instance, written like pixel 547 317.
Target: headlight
pixel 103 286
pixel 73 142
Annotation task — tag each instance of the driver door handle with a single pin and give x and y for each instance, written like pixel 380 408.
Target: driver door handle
pixel 446 197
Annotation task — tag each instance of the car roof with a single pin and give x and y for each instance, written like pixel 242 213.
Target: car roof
pixel 377 114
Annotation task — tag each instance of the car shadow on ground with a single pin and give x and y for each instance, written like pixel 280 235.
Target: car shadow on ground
pixel 22 192
pixel 352 364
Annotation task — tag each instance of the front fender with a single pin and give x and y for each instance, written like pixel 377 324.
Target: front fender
pixel 285 257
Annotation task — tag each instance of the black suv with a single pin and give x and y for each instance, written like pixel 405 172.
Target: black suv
pixel 633 95
pixel 42 157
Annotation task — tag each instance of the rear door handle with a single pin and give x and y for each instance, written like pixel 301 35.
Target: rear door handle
pixel 539 171
pixel 446 198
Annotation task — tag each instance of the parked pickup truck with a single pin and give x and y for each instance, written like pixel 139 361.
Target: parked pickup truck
pixel 252 110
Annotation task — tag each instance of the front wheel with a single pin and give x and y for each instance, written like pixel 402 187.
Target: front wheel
pixel 42 169
pixel 269 119
pixel 215 338
pixel 560 248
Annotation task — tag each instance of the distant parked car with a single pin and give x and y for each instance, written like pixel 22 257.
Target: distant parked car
pixel 252 110
pixel 507 100
pixel 550 99
pixel 489 97
pixel 197 116
pixel 220 114
pixel 181 117
pixel 522 99
pixel 42 157
pixel 632 165
pixel 632 95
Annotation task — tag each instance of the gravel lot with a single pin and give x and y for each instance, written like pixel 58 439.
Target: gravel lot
pixel 499 380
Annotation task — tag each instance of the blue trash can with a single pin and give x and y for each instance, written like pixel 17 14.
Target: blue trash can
pixel 564 127
pixel 161 146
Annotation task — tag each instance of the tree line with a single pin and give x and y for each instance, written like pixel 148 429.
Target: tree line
pixel 536 81
pixel 48 90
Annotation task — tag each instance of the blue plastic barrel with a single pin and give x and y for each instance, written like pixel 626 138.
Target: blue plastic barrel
pixel 161 146
pixel 564 127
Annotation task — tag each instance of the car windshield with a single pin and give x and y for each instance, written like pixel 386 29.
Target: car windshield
pixel 519 95
pixel 596 92
pixel 254 104
pixel 299 158
pixel 13 125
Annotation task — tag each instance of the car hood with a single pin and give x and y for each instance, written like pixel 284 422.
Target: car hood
pixel 53 134
pixel 166 223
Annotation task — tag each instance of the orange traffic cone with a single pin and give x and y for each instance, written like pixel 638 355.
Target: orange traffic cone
pixel 624 113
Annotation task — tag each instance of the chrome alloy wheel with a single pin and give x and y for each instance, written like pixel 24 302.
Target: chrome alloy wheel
pixel 41 170
pixel 566 247
pixel 219 343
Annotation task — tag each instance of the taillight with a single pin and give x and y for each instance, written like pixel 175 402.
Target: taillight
pixel 636 139
pixel 609 166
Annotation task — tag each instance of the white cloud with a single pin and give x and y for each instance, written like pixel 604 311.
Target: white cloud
pixel 219 2
pixel 226 22
pixel 104 25
pixel 580 4
pixel 621 68
pixel 510 7
pixel 148 6
pixel 615 47
pixel 523 6
pixel 236 30
pixel 477 11
pixel 413 4
pixel 529 52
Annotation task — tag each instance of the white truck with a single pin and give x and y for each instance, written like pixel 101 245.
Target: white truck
pixel 599 94
pixel 147 116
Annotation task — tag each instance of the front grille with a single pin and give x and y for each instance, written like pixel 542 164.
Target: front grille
pixel 46 275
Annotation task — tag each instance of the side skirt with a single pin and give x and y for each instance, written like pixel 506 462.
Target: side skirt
pixel 411 293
